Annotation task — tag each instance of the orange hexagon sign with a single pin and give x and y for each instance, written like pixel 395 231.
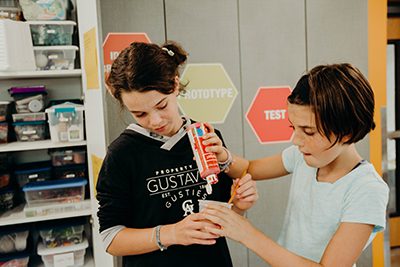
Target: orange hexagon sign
pixel 210 92
pixel 268 116
pixel 115 42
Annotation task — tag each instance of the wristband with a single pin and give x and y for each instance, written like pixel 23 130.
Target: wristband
pixel 224 165
pixel 158 241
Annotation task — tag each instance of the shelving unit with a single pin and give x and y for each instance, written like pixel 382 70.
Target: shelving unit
pixel 36 145
pixel 18 215
pixel 40 74
pixel 63 84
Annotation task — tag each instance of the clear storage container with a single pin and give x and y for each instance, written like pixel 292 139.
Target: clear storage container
pixel 33 172
pixel 44 9
pixel 61 233
pixel 52 32
pixel 13 238
pixel 16 50
pixel 30 131
pixel 70 171
pixel 70 256
pixel 20 117
pixel 68 157
pixel 66 122
pixel 57 191
pixel 55 57
pixel 4 179
pixel 6 199
pixel 3 132
pixel 12 13
pixel 4 110
pixel 14 260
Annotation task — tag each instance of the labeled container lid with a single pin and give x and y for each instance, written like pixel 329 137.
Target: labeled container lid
pixel 43 251
pixel 23 123
pixel 28 90
pixel 55 184
pixel 65 107
pixel 58 47
pixel 51 22
pixel 33 167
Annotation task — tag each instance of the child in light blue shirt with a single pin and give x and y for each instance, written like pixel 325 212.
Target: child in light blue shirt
pixel 337 200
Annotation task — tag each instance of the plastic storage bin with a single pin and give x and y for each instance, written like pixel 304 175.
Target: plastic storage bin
pixel 44 9
pixel 10 13
pixel 16 50
pixel 13 239
pixel 70 171
pixel 68 157
pixel 3 132
pixel 15 260
pixel 6 199
pixel 4 179
pixel 65 232
pixel 70 255
pixel 55 57
pixel 57 191
pixel 30 131
pixel 20 117
pixel 52 32
pixel 33 172
pixel 66 122
pixel 4 110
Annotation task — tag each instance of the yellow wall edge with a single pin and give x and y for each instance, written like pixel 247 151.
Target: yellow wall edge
pixel 377 41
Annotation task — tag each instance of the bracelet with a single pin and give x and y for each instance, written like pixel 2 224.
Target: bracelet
pixel 158 241
pixel 224 165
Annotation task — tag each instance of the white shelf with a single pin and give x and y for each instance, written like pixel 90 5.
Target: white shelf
pixel 40 74
pixel 36 145
pixel 18 214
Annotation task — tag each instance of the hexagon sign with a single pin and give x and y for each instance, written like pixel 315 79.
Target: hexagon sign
pixel 210 93
pixel 268 116
pixel 115 42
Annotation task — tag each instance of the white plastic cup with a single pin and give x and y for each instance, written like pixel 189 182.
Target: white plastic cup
pixel 203 203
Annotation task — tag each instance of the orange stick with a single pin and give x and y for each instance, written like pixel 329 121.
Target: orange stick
pixel 236 187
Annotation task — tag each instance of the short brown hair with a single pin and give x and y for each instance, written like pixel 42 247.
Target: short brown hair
pixel 144 67
pixel 341 99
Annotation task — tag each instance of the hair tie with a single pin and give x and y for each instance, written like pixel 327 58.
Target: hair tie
pixel 170 52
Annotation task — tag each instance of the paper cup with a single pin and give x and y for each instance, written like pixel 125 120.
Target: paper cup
pixel 203 203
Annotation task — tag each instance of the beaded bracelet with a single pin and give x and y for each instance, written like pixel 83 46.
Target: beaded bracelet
pixel 158 240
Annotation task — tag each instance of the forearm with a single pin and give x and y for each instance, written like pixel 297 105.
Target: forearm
pixel 273 253
pixel 238 167
pixel 132 241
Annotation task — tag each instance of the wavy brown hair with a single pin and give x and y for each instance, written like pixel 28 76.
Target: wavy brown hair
pixel 144 67
pixel 341 99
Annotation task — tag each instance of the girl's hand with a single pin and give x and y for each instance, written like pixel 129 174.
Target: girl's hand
pixel 192 230
pixel 246 193
pixel 214 144
pixel 231 224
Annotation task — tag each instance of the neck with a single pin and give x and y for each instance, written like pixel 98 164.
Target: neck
pixel 340 166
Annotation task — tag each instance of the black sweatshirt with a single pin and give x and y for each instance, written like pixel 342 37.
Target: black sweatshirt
pixel 141 185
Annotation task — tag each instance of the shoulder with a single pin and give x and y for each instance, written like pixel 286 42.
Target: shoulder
pixel 366 181
pixel 291 157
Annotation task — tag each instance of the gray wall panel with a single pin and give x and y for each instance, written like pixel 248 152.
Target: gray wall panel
pixel 273 53
pixel 208 30
pixel 129 16
pixel 337 32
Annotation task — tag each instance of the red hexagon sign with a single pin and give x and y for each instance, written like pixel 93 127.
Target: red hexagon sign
pixel 268 116
pixel 115 42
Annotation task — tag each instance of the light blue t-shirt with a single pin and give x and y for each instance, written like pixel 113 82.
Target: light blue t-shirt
pixel 316 209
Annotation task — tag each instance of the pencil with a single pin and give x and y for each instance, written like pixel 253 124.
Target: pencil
pixel 236 187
